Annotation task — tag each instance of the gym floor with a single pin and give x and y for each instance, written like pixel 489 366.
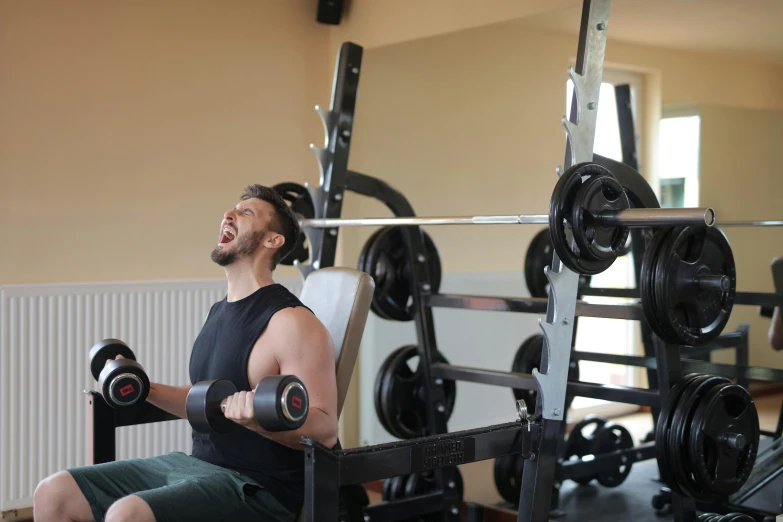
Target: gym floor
pixel 480 487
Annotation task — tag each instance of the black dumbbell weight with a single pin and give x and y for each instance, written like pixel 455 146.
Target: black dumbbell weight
pixel 122 382
pixel 280 403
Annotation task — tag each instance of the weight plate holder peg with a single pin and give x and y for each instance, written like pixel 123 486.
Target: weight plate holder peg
pixel 528 356
pixel 688 284
pixel 301 202
pixel 385 258
pixel 538 256
pixel 707 437
pixel 580 195
pixel 399 393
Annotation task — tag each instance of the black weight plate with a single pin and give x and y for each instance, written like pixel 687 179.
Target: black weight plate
pixel 424 482
pixel 379 273
pixel 528 357
pixel 665 331
pixel 595 241
pixel 353 500
pixel 612 437
pixel 538 256
pixel 300 201
pixel 647 278
pixel 578 444
pixel 507 473
pixel 680 428
pixel 561 208
pixel 402 395
pixel 663 425
pixel 387 264
pixel 383 373
pixel 719 469
pixel 695 315
pixel 104 350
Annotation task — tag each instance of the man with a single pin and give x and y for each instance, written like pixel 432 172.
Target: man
pixel 258 329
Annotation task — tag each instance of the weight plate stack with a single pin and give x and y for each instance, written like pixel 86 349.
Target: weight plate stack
pixel 385 258
pixel 707 437
pixel 399 394
pixel 298 198
pixel 528 356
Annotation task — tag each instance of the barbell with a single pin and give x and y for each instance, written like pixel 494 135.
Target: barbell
pixel 589 218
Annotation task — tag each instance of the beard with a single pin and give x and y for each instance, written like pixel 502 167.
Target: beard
pixel 246 246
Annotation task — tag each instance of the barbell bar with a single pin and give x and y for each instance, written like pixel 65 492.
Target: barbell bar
pixel 763 223
pixel 633 217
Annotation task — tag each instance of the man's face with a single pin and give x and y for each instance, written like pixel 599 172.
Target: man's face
pixel 242 230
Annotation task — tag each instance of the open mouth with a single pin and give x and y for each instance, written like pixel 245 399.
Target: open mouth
pixel 227 236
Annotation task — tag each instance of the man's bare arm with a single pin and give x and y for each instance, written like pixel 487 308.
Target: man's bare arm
pixel 302 347
pixel 169 398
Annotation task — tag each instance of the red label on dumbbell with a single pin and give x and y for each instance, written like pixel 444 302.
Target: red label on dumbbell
pixel 125 391
pixel 296 402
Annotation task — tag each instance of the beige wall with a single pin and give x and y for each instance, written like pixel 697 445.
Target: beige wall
pixel 740 177
pixel 128 128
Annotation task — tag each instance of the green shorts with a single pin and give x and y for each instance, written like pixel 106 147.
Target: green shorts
pixel 179 487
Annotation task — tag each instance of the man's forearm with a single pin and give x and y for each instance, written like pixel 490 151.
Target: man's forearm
pixel 169 398
pixel 318 427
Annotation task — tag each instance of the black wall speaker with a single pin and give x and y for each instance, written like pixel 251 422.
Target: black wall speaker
pixel 330 11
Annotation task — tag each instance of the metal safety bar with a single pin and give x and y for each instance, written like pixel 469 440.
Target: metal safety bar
pixel 753 373
pixel 525 381
pixel 532 305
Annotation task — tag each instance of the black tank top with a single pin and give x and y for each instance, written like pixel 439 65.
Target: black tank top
pixel 221 351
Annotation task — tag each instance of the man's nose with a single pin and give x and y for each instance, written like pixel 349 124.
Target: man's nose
pixel 230 215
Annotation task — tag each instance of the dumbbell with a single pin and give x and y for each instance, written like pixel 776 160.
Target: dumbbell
pixel 280 403
pixel 122 382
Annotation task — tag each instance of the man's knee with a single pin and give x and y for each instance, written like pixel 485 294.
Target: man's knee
pixel 53 491
pixel 130 508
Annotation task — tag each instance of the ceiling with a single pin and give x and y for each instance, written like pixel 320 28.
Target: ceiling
pixel 750 28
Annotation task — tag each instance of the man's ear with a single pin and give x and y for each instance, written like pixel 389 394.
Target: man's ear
pixel 276 241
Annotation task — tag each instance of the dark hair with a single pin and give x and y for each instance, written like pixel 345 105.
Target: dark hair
pixel 283 222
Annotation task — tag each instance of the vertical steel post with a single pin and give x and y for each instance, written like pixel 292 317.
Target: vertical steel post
pixel 558 328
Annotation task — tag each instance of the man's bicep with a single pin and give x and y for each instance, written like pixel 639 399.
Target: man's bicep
pixel 310 356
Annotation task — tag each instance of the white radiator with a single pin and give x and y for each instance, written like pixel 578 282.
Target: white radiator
pixel 46 332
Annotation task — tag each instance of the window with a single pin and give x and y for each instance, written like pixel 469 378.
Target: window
pixel 608 335
pixel 679 159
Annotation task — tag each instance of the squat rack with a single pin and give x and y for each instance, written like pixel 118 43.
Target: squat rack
pixel 341 467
